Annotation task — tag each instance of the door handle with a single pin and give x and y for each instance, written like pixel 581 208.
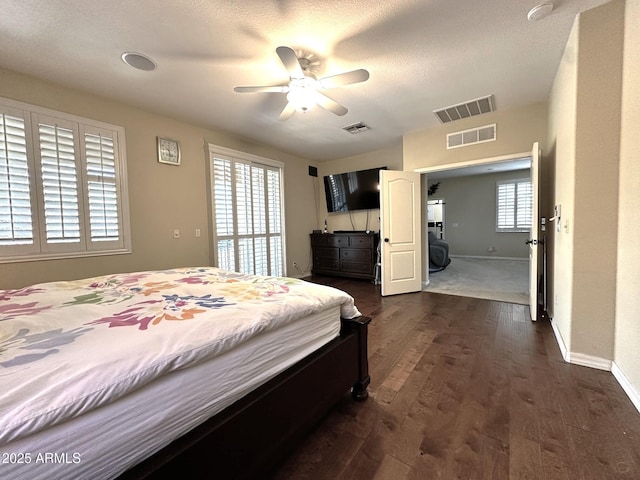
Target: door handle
pixel 531 242
pixel 386 240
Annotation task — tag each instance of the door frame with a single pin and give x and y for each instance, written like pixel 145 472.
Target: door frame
pixel 457 166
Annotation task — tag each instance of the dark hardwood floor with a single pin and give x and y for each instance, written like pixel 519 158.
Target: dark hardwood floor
pixel 463 388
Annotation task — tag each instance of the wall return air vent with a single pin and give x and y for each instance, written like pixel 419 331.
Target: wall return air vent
pixel 472 136
pixel 466 109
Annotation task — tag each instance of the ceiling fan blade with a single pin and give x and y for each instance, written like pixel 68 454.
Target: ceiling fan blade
pixel 347 78
pixel 329 104
pixel 290 61
pixel 287 111
pixel 276 89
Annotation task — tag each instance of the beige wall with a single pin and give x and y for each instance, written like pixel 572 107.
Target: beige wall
pixel 357 220
pixel 516 130
pixel 161 197
pixel 562 147
pixel 584 131
pixel 627 330
pixel 596 179
pixel 470 216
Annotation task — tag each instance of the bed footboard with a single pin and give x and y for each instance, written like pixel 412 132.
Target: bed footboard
pixel 252 436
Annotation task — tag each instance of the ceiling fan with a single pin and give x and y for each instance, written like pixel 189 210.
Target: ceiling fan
pixel 304 90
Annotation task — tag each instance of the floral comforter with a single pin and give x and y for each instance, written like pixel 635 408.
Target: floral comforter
pixel 68 347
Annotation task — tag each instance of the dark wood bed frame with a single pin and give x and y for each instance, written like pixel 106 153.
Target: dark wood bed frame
pixel 252 437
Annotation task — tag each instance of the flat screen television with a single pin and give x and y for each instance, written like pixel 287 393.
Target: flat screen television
pixel 349 191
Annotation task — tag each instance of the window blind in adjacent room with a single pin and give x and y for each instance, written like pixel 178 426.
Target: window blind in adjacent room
pixel 514 205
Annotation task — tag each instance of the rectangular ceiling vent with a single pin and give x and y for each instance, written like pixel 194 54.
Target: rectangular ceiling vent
pixel 471 136
pixel 357 128
pixel 465 110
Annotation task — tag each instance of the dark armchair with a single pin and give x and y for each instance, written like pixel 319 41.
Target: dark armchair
pixel 438 253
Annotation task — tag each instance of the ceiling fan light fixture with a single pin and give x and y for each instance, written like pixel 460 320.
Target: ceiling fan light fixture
pixel 302 94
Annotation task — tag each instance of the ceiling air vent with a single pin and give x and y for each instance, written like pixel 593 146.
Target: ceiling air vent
pixel 465 110
pixel 471 136
pixel 357 128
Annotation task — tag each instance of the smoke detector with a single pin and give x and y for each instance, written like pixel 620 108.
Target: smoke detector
pixel 139 61
pixel 539 11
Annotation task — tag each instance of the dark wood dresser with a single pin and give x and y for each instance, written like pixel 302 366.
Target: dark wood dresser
pixel 345 254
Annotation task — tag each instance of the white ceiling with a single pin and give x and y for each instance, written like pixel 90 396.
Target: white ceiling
pixel 421 55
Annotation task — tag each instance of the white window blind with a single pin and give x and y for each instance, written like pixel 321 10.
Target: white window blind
pixel 514 205
pixel 16 227
pixel 59 180
pixel 62 185
pixel 247 206
pixel 102 187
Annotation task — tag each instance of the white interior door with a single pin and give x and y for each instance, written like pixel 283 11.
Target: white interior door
pixel 400 232
pixel 534 240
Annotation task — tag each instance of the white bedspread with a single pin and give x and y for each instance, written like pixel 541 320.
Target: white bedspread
pixel 69 347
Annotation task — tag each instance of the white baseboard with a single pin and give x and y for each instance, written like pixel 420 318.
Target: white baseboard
pixel 560 341
pixel 579 358
pixel 624 382
pixel 590 361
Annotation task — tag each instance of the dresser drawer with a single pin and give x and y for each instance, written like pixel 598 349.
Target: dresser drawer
pixel 322 240
pixel 361 242
pixel 355 254
pixel 326 252
pixel 324 263
pixel 348 266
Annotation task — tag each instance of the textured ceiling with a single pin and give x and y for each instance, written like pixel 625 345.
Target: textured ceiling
pixel 421 55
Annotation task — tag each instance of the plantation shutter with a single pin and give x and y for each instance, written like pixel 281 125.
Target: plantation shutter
pixel 59 179
pixel 104 212
pixel 274 214
pixel 223 213
pixel 506 205
pixel 514 205
pixel 248 216
pixel 524 210
pixel 16 224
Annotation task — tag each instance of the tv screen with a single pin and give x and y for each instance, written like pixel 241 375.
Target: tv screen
pixel 353 190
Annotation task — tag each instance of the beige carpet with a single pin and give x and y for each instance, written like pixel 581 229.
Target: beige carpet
pixel 493 279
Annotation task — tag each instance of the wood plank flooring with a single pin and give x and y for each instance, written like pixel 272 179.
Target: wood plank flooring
pixel 464 388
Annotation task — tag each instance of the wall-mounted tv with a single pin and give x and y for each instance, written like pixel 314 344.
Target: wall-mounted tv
pixel 349 191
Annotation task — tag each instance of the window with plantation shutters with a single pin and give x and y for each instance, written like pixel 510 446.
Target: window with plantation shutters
pixel 247 210
pixel 514 205
pixel 62 190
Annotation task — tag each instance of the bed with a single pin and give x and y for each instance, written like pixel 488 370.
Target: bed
pixel 189 371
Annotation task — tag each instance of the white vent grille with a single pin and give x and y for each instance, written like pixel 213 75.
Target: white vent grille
pixel 466 109
pixel 472 136
pixel 357 128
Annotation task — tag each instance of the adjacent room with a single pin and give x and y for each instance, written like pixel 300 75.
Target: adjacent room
pixel 319 240
pixel 483 215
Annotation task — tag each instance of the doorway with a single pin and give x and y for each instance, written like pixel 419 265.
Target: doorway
pixel 485 263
